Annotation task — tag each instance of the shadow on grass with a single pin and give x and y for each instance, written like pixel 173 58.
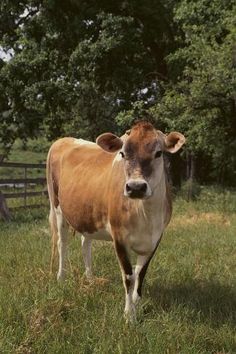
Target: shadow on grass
pixel 207 301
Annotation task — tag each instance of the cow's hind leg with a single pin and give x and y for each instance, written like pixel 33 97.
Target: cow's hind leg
pixel 128 280
pixel 54 237
pixel 62 228
pixel 87 256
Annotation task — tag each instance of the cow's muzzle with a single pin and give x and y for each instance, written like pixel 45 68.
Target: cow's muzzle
pixel 136 189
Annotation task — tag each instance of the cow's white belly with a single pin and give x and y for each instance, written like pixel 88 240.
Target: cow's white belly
pixel 102 234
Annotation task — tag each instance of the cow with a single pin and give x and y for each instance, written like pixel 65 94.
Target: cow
pixel 115 189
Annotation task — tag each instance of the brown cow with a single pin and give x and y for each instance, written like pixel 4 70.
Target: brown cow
pixel 115 190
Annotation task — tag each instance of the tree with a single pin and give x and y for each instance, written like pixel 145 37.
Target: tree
pixel 76 64
pixel 201 101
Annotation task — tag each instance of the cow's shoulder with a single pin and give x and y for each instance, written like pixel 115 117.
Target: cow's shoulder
pixel 68 144
pixel 87 155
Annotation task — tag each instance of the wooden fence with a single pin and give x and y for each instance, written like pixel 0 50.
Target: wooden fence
pixel 21 183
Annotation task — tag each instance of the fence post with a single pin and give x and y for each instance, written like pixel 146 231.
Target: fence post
pixel 3 208
pixel 25 186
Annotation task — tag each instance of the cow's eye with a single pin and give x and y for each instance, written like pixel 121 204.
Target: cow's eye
pixel 122 154
pixel 158 154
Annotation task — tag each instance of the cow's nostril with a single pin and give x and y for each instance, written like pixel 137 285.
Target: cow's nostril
pixel 128 188
pixel 143 187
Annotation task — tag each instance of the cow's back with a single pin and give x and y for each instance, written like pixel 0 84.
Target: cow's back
pixel 79 173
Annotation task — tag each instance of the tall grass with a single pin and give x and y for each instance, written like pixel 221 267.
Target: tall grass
pixel 189 300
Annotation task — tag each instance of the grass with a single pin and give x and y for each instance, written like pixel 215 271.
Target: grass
pixel 31 201
pixel 189 300
pixel 35 151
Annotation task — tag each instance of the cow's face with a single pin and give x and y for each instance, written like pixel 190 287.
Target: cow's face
pixel 141 150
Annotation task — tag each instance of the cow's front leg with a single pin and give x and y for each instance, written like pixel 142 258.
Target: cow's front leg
pixel 128 280
pixel 140 271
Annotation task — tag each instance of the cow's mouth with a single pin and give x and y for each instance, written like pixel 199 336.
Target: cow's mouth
pixel 137 195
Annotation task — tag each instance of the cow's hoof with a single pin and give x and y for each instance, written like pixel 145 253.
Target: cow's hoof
pixel 89 276
pixel 136 298
pixel 60 277
pixel 130 315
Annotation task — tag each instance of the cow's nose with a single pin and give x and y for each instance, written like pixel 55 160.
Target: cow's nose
pixel 136 188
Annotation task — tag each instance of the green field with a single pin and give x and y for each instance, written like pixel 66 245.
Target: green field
pixel 189 299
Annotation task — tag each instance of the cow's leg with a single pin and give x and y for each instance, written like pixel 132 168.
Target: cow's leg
pixel 54 236
pixel 87 256
pixel 62 228
pixel 128 280
pixel 140 271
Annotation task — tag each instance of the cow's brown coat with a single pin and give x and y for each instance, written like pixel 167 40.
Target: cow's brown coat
pixel 87 183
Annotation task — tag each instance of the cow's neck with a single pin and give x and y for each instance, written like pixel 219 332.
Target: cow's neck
pixel 157 201
pixel 156 213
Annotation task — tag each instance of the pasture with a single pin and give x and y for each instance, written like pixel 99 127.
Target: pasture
pixel 189 298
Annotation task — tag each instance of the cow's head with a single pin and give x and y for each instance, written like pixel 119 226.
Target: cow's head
pixel 141 150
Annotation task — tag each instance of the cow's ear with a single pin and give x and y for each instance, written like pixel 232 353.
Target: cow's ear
pixel 174 141
pixel 109 142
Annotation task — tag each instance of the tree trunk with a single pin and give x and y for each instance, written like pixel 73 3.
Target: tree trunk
pixel 188 165
pixel 176 170
pixel 191 166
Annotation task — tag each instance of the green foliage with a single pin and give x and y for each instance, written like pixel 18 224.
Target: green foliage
pixel 201 103
pixel 75 66
pixel 125 119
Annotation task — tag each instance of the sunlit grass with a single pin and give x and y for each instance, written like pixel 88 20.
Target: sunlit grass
pixel 189 300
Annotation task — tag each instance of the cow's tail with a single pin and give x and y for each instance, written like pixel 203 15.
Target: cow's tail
pixel 52 214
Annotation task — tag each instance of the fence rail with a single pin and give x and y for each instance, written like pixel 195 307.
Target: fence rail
pixel 22 165
pixel 22 195
pixel 21 182
pixel 36 180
